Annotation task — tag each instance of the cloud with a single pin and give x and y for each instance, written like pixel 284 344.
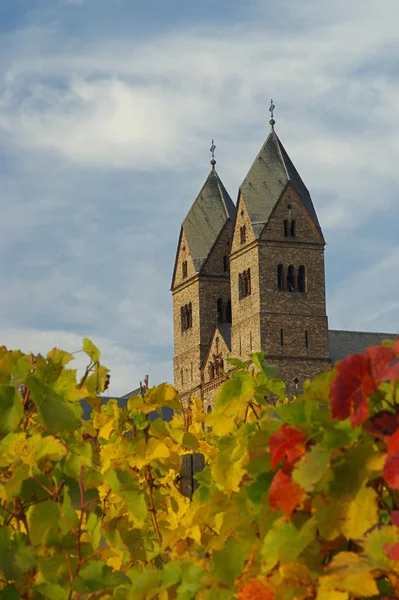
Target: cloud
pixel 105 143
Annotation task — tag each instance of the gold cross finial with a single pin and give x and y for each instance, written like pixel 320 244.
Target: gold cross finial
pixel 271 111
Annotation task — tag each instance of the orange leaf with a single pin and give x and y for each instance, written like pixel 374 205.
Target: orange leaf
pixel 392 551
pixel 284 494
pixel 391 471
pixel 286 442
pixel 255 589
pixel 350 390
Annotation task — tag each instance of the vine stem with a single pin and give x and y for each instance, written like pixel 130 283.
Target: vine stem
pixel 151 509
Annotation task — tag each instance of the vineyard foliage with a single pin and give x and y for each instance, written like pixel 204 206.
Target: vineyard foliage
pixel 298 499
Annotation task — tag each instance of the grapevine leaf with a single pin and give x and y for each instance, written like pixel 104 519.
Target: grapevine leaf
pixel 124 486
pixel 391 471
pixel 284 494
pixel 91 350
pixel 230 561
pixel 379 359
pixel 190 441
pixel 256 588
pixel 383 424
pixel 11 409
pixel 348 572
pixel 310 468
pixel 350 390
pixel 43 521
pixel 286 442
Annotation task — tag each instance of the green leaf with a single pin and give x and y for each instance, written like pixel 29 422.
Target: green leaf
pixel 11 409
pixel 190 441
pixel 311 468
pixel 10 593
pixel 43 519
pixel 236 362
pixel 93 527
pixel 52 591
pixel 91 350
pixel 259 487
pixel 55 413
pixel 124 486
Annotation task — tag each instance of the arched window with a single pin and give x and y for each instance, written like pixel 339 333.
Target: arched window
pixel 209 409
pixel 301 279
pixel 219 308
pixel 249 281
pixel 292 228
pixel 190 316
pixel 182 319
pixel 245 283
pixel 228 311
pixel 296 383
pixel 225 263
pixel 306 338
pixel 182 376
pixel 286 227
pixel 281 337
pixel 280 277
pixel 184 269
pixel 290 279
pixel 211 371
pixel 243 234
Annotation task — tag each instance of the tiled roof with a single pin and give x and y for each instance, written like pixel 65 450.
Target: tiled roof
pixel 206 218
pixel 343 343
pixel 265 181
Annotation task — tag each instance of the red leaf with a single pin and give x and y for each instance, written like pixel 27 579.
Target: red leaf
pixel 392 551
pixel 391 373
pixel 383 425
pixel 391 471
pixel 379 358
pixel 395 517
pixel 350 390
pixel 393 444
pixel 284 494
pixel 283 443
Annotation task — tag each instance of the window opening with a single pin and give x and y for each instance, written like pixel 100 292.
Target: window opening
pixel 280 277
pixel 186 317
pixel 244 282
pixel 282 337
pixel 286 227
pixel 292 228
pixel 211 371
pixel 209 409
pixel 290 279
pixel 225 263
pixel 296 382
pixel 250 341
pixel 306 339
pixel 184 269
pixel 243 234
pixel 219 308
pixel 301 279
pixel 182 376
pixel 228 311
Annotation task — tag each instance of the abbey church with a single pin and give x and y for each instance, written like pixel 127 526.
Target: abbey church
pixel 250 277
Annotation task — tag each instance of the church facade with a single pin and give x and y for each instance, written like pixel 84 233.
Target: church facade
pixel 251 277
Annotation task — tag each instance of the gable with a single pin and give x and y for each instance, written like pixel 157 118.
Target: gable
pixel 269 174
pixel 219 256
pixel 183 254
pixel 219 348
pixel 242 219
pixel 290 215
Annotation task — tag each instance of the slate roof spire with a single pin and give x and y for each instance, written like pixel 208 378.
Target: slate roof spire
pixel 207 216
pixel 271 171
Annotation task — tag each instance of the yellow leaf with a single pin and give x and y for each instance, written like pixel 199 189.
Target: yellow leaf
pixel 324 594
pixel 361 514
pixel 350 573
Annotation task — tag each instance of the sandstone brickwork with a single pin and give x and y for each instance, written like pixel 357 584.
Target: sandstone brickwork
pixel 265 257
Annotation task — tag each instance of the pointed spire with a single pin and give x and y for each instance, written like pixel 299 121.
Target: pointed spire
pixel 212 151
pixel 271 111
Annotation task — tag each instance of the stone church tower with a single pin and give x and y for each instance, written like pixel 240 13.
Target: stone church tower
pixel 250 278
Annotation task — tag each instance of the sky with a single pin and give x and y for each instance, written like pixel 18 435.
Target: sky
pixel 107 111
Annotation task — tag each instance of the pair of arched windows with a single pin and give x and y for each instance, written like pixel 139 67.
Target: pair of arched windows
pixel 186 317
pixel 223 311
pixel 291 280
pixel 244 283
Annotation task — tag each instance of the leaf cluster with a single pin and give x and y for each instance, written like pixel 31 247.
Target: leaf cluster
pixel 297 500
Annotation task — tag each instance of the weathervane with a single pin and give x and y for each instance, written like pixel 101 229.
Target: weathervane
pixel 212 151
pixel 271 111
